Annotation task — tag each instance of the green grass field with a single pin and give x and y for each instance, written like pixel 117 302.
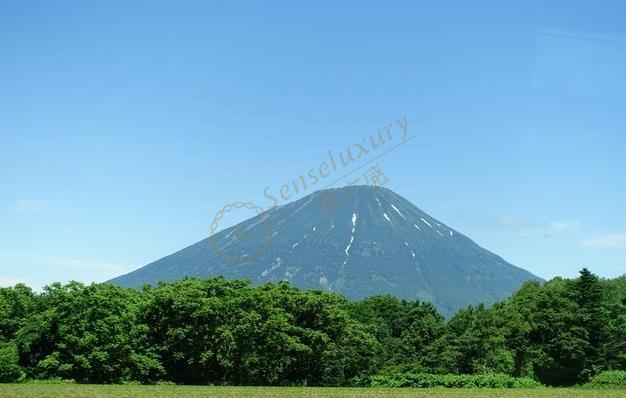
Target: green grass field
pixel 118 391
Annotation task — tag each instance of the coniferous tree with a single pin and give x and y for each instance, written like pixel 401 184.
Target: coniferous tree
pixel 588 293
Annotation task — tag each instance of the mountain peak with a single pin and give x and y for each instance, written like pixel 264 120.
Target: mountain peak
pixel 357 241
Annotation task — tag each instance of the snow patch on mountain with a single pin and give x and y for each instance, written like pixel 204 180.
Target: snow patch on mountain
pixel 398 211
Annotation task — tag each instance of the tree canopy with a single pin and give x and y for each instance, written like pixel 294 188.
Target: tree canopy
pixel 218 331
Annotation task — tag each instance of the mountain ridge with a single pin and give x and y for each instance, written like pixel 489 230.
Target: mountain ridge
pixel 358 241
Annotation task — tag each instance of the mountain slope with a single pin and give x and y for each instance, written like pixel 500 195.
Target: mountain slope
pixel 357 241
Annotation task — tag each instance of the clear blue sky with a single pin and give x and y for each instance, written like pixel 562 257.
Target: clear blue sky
pixel 125 127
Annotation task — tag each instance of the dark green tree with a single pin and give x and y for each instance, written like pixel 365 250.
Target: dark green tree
pixel 588 293
pixel 405 329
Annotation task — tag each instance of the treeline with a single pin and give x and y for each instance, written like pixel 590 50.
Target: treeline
pixel 217 331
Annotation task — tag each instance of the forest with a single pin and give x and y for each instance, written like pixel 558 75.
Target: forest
pixel 228 332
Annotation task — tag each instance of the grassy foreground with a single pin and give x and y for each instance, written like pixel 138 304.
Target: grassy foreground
pixel 119 391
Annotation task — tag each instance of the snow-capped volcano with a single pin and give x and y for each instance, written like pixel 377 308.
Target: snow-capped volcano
pixel 357 241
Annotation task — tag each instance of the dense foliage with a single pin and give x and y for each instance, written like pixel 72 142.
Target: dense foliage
pixel 421 380
pixel 609 379
pixel 219 331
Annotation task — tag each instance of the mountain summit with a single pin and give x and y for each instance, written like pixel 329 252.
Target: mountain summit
pixel 357 241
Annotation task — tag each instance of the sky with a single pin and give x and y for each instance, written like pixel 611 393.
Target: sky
pixel 126 126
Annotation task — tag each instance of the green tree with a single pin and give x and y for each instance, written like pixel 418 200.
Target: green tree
pixel 560 341
pixel 10 370
pixel 16 304
pixel 227 332
pixel 615 306
pixel 474 343
pixel 405 329
pixel 589 297
pixel 85 333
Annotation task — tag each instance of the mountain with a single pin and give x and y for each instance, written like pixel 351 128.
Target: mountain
pixel 357 241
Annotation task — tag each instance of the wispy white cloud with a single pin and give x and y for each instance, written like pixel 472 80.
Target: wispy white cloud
pixel 30 207
pixel 515 223
pixel 546 229
pixel 565 226
pixel 607 240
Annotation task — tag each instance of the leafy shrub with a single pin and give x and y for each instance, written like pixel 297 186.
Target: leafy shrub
pixel 10 370
pixel 423 380
pixel 611 379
